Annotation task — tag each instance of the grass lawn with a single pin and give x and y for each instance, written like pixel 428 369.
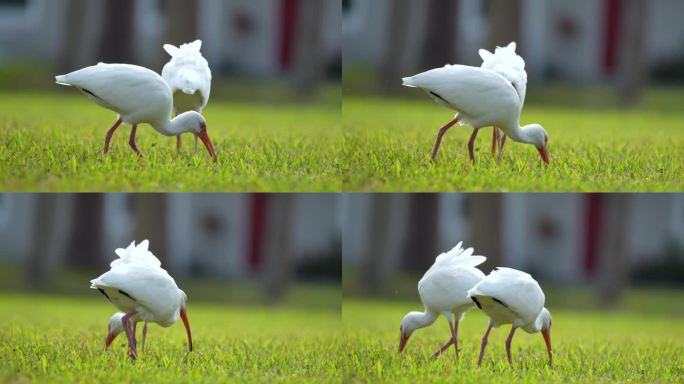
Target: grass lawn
pixel 589 346
pixel 61 339
pixel 387 146
pixel 54 141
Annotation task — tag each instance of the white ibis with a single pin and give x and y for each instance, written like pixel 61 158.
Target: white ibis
pixel 137 95
pixel 510 65
pixel 482 97
pixel 189 77
pixel 443 291
pixel 509 296
pixel 138 286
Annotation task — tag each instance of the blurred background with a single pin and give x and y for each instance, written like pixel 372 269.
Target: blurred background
pixel 232 248
pixel 622 46
pixel 269 50
pixel 585 249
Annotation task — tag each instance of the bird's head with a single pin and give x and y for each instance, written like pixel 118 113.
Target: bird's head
pixel 536 135
pixel 113 328
pixel 544 319
pixel 184 316
pixel 194 122
pixel 408 324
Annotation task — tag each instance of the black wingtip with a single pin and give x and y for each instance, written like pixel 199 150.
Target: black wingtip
pixel 104 293
pixel 500 302
pixel 474 299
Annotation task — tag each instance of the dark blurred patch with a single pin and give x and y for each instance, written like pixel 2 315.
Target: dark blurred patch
pixel 328 268
pixel 666 269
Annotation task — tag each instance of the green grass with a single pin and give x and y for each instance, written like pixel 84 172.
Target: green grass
pixel 54 141
pixel 387 146
pixel 61 339
pixel 589 347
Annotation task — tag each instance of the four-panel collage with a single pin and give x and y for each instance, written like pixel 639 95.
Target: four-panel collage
pixel 341 191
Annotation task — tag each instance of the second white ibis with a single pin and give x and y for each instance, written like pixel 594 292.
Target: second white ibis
pixel 443 291
pixel 138 286
pixel 509 296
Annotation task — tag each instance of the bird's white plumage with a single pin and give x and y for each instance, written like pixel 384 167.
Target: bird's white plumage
pixel 521 295
pixel 508 64
pixel 481 96
pixel 137 94
pixel 136 282
pixel 189 77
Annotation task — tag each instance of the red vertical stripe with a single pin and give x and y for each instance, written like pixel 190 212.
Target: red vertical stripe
pixel 592 233
pixel 288 19
pixel 611 34
pixel 257 229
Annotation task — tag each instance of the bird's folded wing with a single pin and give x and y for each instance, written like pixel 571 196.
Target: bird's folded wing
pixel 471 90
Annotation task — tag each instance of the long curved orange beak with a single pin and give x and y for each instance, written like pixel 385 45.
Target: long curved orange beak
pixel 204 136
pixel 110 338
pixel 544 154
pixel 547 339
pixel 402 342
pixel 184 316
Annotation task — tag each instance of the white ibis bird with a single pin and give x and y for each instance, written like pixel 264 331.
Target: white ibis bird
pixel 482 97
pixel 138 286
pixel 189 76
pixel 138 95
pixel 509 296
pixel 443 291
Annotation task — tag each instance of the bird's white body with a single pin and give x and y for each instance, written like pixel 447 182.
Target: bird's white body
pixel 490 95
pixel 137 282
pixel 189 77
pixel 443 290
pixel 520 298
pixel 137 94
pixel 509 296
pixel 481 97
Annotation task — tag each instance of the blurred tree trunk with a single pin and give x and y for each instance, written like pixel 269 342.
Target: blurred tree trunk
pixel 504 23
pixel 84 247
pixel 632 70
pixel 70 46
pixel 150 223
pixel 372 264
pixel 389 72
pixel 279 266
pixel 116 43
pixel 308 58
pixel 485 215
pixel 420 240
pixel 439 44
pixel 181 21
pixel 612 261
pixel 37 272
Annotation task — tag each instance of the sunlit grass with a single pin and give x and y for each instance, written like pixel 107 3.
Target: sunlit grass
pixel 53 142
pixel 61 339
pixel 388 142
pixel 589 346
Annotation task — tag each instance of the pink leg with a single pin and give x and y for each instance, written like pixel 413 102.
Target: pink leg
pixel 444 347
pixel 454 336
pixel 441 133
pixel 508 344
pixel 495 140
pixel 501 146
pixel 131 140
pixel 178 143
pixel 129 329
pixel 471 144
pixel 144 334
pixel 484 344
pixel 110 133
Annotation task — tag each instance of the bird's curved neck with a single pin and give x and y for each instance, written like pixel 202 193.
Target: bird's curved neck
pixel 423 319
pixel 521 134
pixel 172 127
